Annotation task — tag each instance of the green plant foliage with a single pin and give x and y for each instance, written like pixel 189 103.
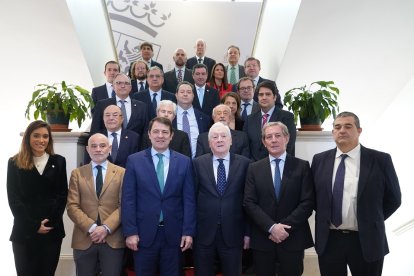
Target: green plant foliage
pixel 74 100
pixel 316 101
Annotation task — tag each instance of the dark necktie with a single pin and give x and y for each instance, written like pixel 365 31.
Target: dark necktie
pixel 114 149
pixel 244 113
pixel 186 125
pixel 264 119
pixel 113 93
pixel 180 75
pixel 99 180
pixel 141 86
pixel 221 177
pixel 124 114
pixel 154 102
pixel 200 60
pixel 278 179
pixel 160 176
pixel 337 193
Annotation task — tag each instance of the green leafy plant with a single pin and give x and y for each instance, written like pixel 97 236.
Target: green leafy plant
pixel 73 100
pixel 315 102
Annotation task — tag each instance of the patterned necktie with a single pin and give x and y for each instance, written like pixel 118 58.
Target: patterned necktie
pixel 244 113
pixel 186 125
pixel 180 75
pixel 154 102
pixel 221 177
pixel 264 119
pixel 200 60
pixel 114 149
pixel 160 176
pixel 141 86
pixel 278 179
pixel 124 114
pixel 337 193
pixel 99 180
pixel 233 75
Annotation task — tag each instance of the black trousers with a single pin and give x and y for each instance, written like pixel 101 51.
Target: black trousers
pixel 36 258
pixel 280 261
pixel 344 249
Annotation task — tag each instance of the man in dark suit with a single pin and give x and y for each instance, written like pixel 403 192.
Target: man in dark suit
pixel 352 206
pixel 239 142
pixel 268 113
pixel 205 97
pixel 158 204
pixel 154 94
pixel 180 142
pixel 139 79
pixel 106 91
pixel 189 119
pixel 245 89
pixel 200 57
pixel 234 70
pixel 252 70
pixel 179 73
pixel 279 199
pixel 147 52
pixel 134 112
pixel 221 225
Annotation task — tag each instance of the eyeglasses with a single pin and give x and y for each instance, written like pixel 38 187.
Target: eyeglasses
pixel 248 88
pixel 126 83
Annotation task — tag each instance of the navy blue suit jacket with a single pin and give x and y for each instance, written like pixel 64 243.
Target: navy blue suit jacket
pixel 142 200
pixel 134 86
pixel 211 100
pixel 146 98
pixel 378 197
pixel 209 62
pixel 278 101
pixel 171 82
pixel 179 143
pixel 98 93
pixel 203 121
pixel 213 208
pixel 138 121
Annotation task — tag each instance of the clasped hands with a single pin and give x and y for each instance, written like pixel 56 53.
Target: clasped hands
pixel 98 234
pixel 279 233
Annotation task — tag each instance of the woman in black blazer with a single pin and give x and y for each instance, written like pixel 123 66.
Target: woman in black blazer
pixel 37 190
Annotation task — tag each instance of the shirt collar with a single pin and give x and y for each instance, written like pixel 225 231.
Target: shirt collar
pixel 118 132
pixel 127 99
pixel 103 165
pixel 166 153
pixel 352 153
pixel 227 157
pixel 180 110
pixel 270 112
pixel 282 157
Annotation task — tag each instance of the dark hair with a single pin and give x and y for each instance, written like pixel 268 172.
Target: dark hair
pixel 245 79
pixel 200 65
pixel 272 86
pixel 161 120
pixel 235 47
pixel 349 114
pixel 252 59
pixel 146 44
pixel 112 62
pixel 182 83
pixel 213 78
pixel 238 101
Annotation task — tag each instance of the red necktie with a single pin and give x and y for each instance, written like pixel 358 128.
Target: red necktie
pixel 264 119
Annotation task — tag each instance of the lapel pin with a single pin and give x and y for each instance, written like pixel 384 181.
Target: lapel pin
pixel 53 166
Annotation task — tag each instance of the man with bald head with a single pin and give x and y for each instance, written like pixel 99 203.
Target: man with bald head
pixel 94 207
pixel 240 143
pixel 179 73
pixel 200 57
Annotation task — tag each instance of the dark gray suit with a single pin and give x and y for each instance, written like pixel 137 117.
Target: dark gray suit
pixel 171 82
pixel 210 100
pixel 179 143
pixel 209 62
pixel 241 71
pixel 146 98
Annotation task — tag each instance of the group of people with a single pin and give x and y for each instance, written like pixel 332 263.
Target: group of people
pixel 175 164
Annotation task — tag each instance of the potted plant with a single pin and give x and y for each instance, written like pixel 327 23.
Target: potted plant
pixel 59 104
pixel 313 103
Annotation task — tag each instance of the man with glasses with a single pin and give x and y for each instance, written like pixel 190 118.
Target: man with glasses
pixel 245 89
pixel 154 94
pixel 134 112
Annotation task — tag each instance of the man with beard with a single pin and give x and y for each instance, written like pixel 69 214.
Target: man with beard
pixel 179 73
pixel 139 76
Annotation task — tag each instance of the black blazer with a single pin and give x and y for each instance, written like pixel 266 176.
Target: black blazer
pixel 179 143
pixel 239 145
pixel 294 207
pixel 378 197
pixel 241 71
pixel 34 197
pixel 213 208
pixel 98 93
pixel 209 62
pixel 203 121
pixel 134 85
pixel 211 100
pixel 253 128
pixel 146 98
pixel 137 123
pixel 171 82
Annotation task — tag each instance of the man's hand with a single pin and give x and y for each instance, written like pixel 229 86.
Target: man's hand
pixel 186 243
pixel 132 242
pixel 246 242
pixel 44 229
pixel 278 233
pixel 99 234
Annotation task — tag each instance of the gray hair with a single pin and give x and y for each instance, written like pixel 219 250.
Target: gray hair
pixel 349 114
pixel 218 125
pixel 285 130
pixel 170 103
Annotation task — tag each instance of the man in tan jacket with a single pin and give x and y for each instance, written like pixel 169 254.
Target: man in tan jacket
pixel 94 207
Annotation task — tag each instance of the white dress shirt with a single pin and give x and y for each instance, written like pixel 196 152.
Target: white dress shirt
pixel 193 126
pixel 226 163
pixel 127 103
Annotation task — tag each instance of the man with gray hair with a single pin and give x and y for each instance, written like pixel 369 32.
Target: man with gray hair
pixel 221 224
pixel 278 198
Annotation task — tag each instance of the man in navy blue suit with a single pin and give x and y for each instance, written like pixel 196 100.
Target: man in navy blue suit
pixel 357 189
pixel 200 57
pixel 158 204
pixel 106 91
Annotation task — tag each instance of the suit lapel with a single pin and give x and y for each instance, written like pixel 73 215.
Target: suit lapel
pixel 151 170
pixel 110 173
pixel 365 163
pixel 89 180
pixel 210 172
pixel 329 175
pixel 134 113
pixel 267 178
pixel 172 168
pixel 233 167
pixel 287 173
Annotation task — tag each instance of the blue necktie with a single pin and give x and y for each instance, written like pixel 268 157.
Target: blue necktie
pixel 221 177
pixel 186 125
pixel 141 87
pixel 200 96
pixel 113 93
pixel 114 149
pixel 154 102
pixel 244 113
pixel 278 179
pixel 124 114
pixel 160 176
pixel 337 193
pixel 99 180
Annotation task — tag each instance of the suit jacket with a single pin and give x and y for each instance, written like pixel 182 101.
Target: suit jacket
pixel 146 98
pixel 209 62
pixel 84 205
pixel 134 84
pixel 239 145
pixel 378 197
pixel 34 197
pixel 253 128
pixel 142 200
pixel 171 82
pixel 210 100
pixel 293 208
pixel 129 142
pixel 278 101
pixel 241 71
pixel 203 121
pixel 137 123
pixel 255 107
pixel 179 143
pixel 98 93
pixel 212 208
